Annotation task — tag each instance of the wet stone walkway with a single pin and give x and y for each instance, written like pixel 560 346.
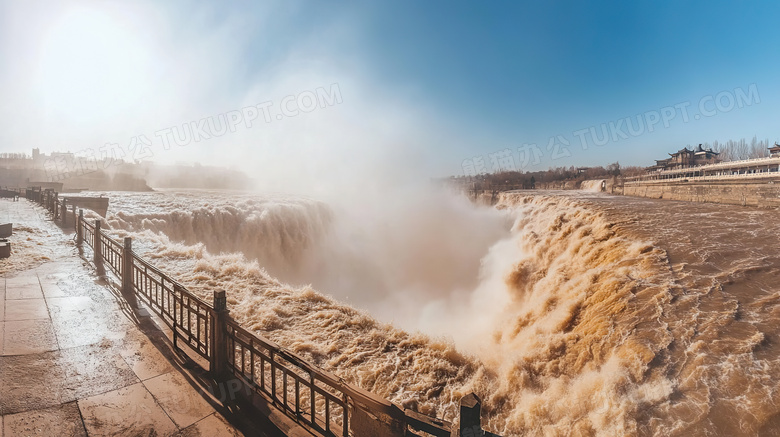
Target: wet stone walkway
pixel 75 360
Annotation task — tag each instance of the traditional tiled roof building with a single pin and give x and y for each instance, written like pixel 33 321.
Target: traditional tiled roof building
pixel 687 158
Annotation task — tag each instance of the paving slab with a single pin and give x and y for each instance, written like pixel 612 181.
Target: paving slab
pixel 26 309
pixel 55 271
pixel 62 420
pixel 143 357
pixel 179 400
pixel 212 426
pixel 130 411
pixel 23 279
pixel 26 291
pixel 70 304
pixel 51 289
pixel 31 382
pixel 28 337
pixel 2 335
pixel 80 320
pixel 94 369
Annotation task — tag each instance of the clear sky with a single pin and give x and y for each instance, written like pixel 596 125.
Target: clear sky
pixel 426 87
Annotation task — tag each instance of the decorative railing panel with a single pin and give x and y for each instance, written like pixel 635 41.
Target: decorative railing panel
pixel 89 233
pixel 112 253
pixel 292 384
pixel 188 317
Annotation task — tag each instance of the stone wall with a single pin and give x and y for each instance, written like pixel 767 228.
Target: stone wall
pixel 765 193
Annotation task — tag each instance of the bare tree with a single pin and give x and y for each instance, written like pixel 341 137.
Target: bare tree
pixel 759 149
pixel 738 150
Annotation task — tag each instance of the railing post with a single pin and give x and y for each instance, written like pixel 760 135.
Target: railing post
pixel 471 417
pixel 272 362
pixel 219 343
pixel 127 272
pixel 97 249
pixel 64 213
pixel 345 424
pixel 79 230
pixel 470 414
pixel 312 402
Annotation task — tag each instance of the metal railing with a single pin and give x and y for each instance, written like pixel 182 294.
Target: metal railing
pixel 88 233
pixel 188 317
pixel 313 397
pixel 112 253
pixel 309 394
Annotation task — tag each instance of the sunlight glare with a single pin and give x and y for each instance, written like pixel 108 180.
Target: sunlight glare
pixel 91 67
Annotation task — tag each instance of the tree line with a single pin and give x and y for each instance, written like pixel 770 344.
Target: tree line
pixel 526 180
pixel 741 149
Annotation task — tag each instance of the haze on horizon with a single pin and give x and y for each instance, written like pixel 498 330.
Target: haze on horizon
pixel 403 89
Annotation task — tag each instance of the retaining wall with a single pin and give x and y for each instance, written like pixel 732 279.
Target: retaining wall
pixel 762 194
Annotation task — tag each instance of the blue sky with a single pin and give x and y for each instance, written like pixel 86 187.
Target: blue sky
pixel 426 85
pixel 523 73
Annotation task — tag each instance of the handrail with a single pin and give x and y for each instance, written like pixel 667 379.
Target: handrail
pixel 367 398
pixel 189 317
pixel 112 253
pixel 757 175
pixel 684 173
pixel 157 271
pixel 89 234
pixel 257 362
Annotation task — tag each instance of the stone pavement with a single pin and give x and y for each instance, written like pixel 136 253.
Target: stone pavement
pixel 76 360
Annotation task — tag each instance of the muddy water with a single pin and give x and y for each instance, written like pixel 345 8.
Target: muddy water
pixel 595 315
pixel 724 357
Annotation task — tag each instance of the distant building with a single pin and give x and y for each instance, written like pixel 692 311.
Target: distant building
pixel 774 151
pixel 56 186
pixel 687 158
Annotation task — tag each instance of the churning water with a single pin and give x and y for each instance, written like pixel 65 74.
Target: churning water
pixel 576 314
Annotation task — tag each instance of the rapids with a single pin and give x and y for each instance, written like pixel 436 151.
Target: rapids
pixel 567 313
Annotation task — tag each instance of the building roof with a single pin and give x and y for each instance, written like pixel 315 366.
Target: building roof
pixel 681 151
pixel 700 150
